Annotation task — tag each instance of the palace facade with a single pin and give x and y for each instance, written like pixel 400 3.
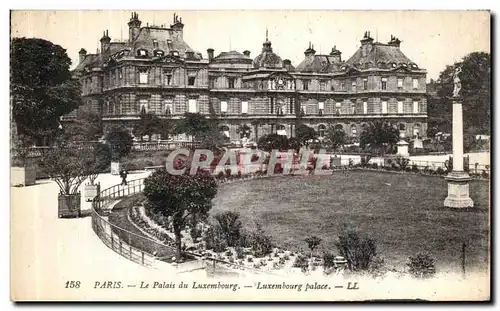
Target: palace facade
pixel 156 71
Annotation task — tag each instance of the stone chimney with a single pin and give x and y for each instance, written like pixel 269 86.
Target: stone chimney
pixel 82 54
pixel 134 25
pixel 246 53
pixel 366 44
pixel 337 55
pixel 394 41
pixel 210 53
pixel 178 26
pixel 105 41
pixel 310 52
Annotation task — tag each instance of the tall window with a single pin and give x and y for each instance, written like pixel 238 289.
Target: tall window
pixel 384 107
pixel 322 86
pixel 365 107
pixel 168 107
pixel 400 83
pixel 321 108
pixel 416 130
pixel 244 107
pixel 168 77
pixel 400 107
pixel 342 86
pixel 303 109
pixel 231 83
pixel 223 106
pixel 415 107
pixel 191 80
pixel 415 84
pixel 365 84
pixel 292 105
pixel 120 73
pixel 143 106
pixel 192 107
pixel 271 105
pixel 305 85
pixel 321 130
pixel 338 106
pixel 353 86
pixel 211 82
pixel 143 77
pixel 384 83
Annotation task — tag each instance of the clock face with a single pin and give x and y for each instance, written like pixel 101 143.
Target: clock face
pixel 280 81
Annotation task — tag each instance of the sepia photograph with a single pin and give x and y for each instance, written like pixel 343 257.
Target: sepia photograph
pixel 250 155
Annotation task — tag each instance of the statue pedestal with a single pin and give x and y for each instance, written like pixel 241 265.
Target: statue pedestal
pixel 403 148
pixel 458 190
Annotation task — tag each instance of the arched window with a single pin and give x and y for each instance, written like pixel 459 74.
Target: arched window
pixel 321 130
pixel 339 127
pixel 402 126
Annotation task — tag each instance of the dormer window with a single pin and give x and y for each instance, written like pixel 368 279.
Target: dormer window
pixel 175 53
pixel 155 43
pixel 142 53
pixel 159 53
pixel 394 65
pixel 231 82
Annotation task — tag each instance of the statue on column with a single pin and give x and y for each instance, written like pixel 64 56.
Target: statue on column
pixel 456 81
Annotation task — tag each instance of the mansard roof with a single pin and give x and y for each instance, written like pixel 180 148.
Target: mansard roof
pixel 319 64
pixel 166 39
pixel 383 56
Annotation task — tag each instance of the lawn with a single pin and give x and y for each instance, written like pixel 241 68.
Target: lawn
pixel 404 213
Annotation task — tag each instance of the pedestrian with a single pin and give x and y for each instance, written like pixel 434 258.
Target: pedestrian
pixel 123 175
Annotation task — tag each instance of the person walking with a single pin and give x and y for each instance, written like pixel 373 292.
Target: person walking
pixel 123 175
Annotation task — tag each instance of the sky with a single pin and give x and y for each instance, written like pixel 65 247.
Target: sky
pixel 432 39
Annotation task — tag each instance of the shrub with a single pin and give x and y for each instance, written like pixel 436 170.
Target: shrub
pixel 301 262
pixel 239 252
pixel 421 266
pixel 402 162
pixel 440 171
pixel 229 253
pixel 261 243
pixel 375 165
pixel 414 168
pixel 215 240
pixel 312 242
pixel 250 259
pixel 230 226
pixel 195 233
pixel 377 267
pixel 328 260
pixel 357 249
pixel 484 174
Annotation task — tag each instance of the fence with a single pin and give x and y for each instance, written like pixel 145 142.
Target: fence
pixel 142 250
pixel 163 145
pixel 130 245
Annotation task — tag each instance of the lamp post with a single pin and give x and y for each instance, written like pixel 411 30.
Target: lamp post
pixel 458 179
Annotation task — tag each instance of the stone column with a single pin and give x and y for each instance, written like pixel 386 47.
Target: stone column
pixel 458 179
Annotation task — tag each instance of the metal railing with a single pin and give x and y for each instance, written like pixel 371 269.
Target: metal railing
pixel 130 245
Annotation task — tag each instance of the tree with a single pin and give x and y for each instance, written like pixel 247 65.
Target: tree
pixel 476 92
pixel 305 133
pixel 194 125
pixel 378 137
pixel 87 126
pixel 335 137
pixel 66 163
pixel 41 87
pixel 97 160
pixel 273 141
pixel 149 124
pixel 179 197
pixel 244 130
pixel 120 142
pixel 230 225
